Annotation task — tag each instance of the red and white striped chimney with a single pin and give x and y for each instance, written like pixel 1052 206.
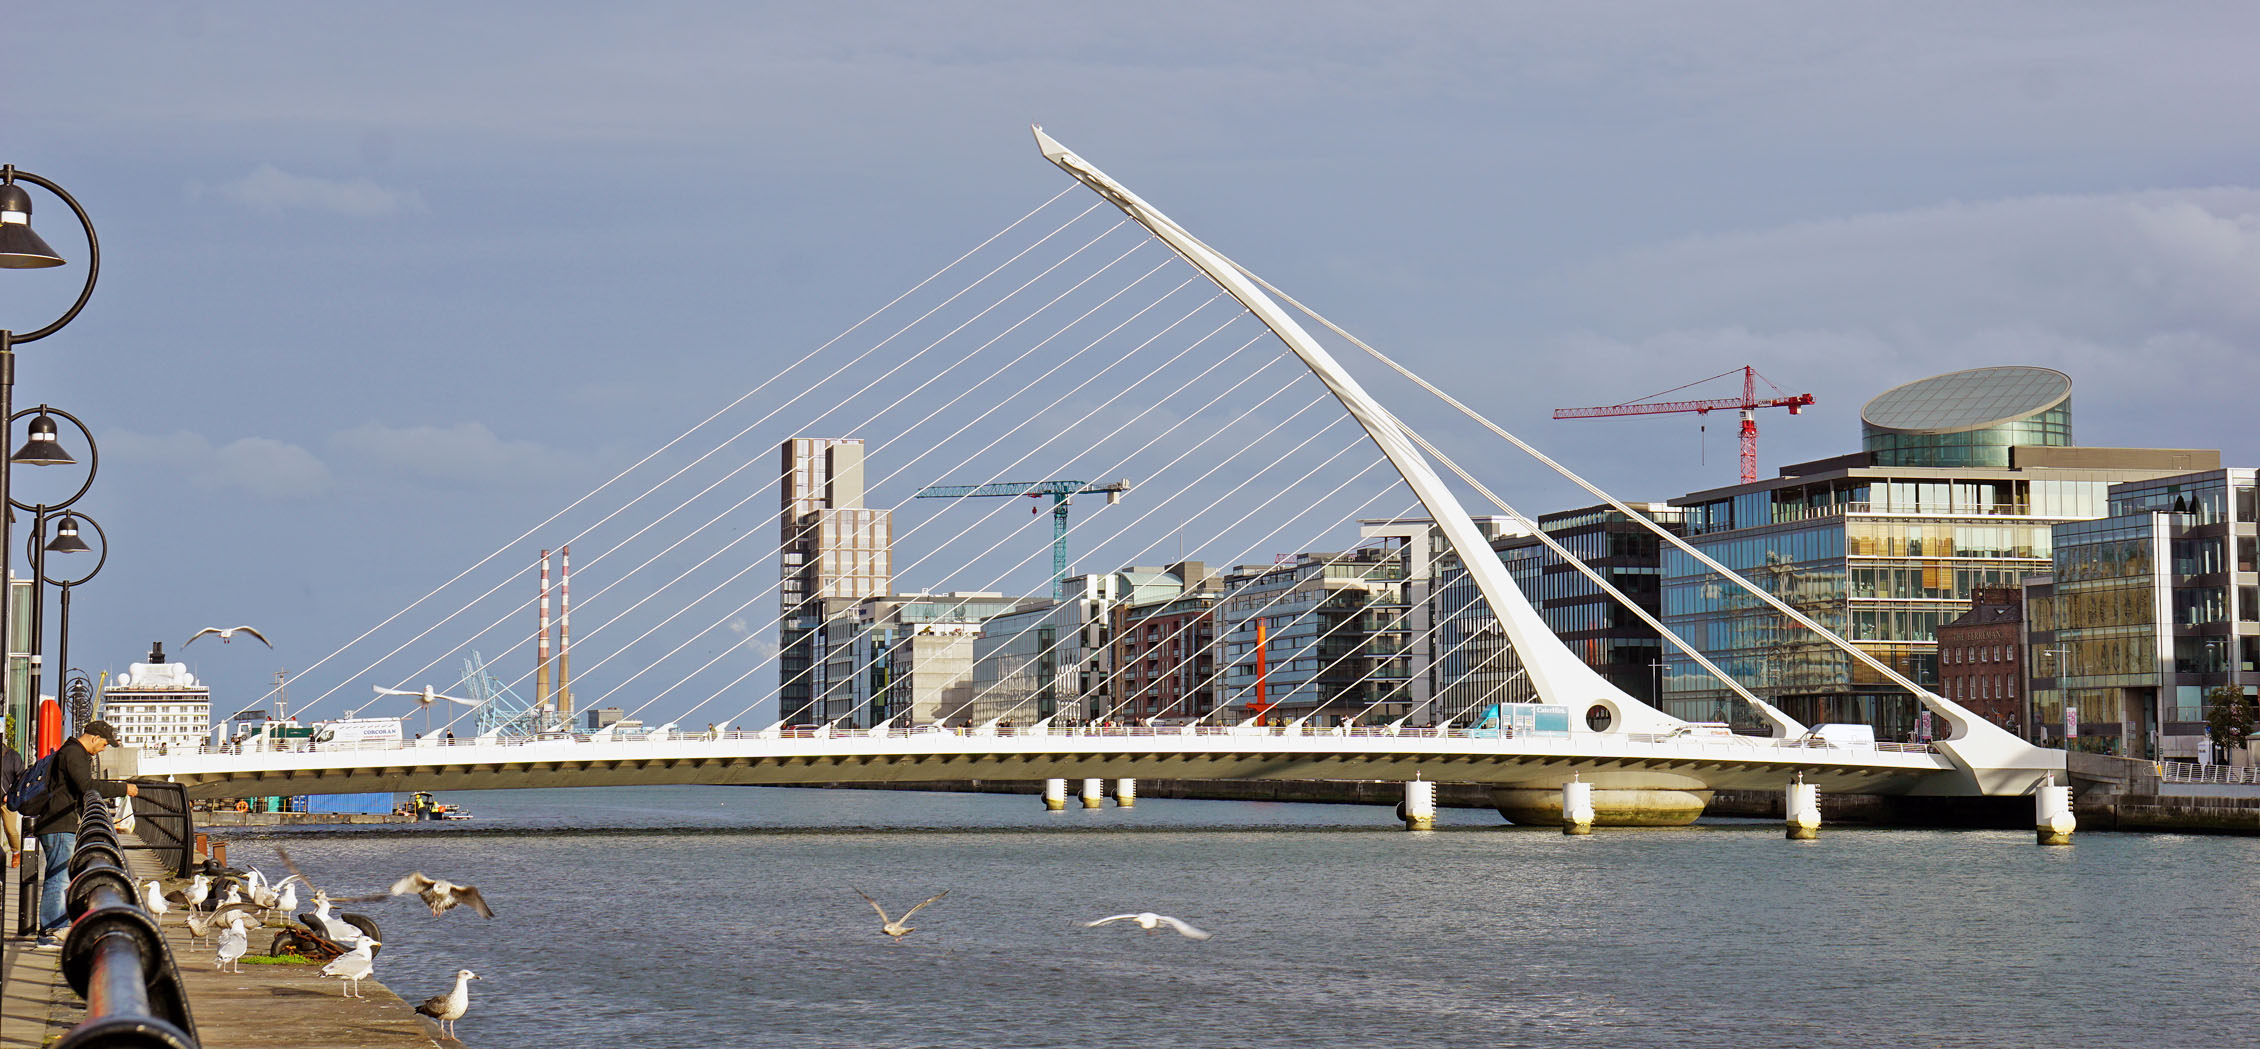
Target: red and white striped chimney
pixel 565 631
pixel 541 645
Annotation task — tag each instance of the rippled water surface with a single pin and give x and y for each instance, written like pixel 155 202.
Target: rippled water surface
pixel 712 916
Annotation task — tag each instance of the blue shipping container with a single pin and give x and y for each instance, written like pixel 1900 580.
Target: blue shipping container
pixel 352 804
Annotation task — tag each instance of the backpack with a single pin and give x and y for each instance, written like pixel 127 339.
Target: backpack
pixel 29 794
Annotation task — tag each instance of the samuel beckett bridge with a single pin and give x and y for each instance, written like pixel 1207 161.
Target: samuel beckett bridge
pixel 1075 344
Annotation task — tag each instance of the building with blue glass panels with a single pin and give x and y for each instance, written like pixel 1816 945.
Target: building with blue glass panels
pixel 1961 484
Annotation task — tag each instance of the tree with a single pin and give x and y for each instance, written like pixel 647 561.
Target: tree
pixel 2229 719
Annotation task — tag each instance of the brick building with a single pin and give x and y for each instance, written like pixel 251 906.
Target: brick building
pixel 1981 655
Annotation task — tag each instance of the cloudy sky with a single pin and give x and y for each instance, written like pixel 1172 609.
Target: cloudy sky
pixel 384 287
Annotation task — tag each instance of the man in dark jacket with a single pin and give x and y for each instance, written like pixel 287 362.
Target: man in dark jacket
pixel 68 781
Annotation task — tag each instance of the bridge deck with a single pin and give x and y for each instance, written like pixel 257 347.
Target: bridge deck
pixel 1624 760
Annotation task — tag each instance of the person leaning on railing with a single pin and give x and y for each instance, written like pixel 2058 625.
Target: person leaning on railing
pixel 57 827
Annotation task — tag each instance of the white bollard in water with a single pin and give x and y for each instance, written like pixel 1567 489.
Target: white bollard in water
pixel 1577 807
pixel 1419 809
pixel 1801 810
pixel 2052 818
pixel 1094 793
pixel 1055 794
pixel 1126 792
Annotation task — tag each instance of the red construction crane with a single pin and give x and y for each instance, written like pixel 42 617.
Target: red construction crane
pixel 1748 404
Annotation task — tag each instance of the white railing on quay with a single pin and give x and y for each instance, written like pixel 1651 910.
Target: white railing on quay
pixel 2192 772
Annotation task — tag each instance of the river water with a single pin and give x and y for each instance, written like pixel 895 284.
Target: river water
pixel 714 916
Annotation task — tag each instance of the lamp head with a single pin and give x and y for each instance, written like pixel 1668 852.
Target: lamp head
pixel 20 248
pixel 66 539
pixel 41 448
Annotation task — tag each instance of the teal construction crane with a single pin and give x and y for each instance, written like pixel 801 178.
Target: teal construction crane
pixel 1059 492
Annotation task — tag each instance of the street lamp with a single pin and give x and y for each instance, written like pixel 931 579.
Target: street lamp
pixel 41 448
pixel 68 541
pixel 22 248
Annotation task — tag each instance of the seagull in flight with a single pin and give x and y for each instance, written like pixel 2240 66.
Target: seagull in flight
pixel 1152 922
pixel 894 926
pixel 440 894
pixel 228 634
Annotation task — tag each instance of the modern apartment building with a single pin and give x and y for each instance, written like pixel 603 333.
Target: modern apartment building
pixel 1609 637
pixel 906 656
pixel 832 553
pixel 1961 483
pixel 1318 635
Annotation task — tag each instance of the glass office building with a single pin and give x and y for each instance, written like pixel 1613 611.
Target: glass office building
pixel 2146 612
pixel 1885 545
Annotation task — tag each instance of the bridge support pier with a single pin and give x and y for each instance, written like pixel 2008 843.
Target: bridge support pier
pixel 1419 807
pixel 1801 810
pixel 1126 792
pixel 1055 794
pixel 1577 807
pixel 2052 817
pixel 1094 793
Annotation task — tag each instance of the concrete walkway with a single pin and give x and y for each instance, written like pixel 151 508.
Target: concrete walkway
pixel 264 1005
pixel 36 1006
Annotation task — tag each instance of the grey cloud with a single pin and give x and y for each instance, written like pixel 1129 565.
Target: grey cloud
pixel 466 453
pixel 2115 267
pixel 260 466
pixel 268 188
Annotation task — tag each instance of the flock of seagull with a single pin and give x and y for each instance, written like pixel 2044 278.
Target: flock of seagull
pixel 897 928
pixel 223 910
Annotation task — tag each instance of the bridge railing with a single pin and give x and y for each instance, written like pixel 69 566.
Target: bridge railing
pixel 1707 741
pixel 2192 772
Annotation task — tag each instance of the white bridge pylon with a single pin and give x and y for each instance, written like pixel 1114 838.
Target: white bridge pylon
pixel 1994 761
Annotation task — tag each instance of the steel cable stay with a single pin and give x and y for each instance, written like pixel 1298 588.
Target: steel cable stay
pixel 982 520
pixel 748 464
pixel 703 423
pixel 1124 392
pixel 1155 405
pixel 1149 511
pixel 749 428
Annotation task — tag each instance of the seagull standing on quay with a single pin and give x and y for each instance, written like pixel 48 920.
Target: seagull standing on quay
pixel 193 897
pixel 152 898
pixel 450 1007
pixel 234 944
pixel 227 634
pixel 894 926
pixel 1152 923
pixel 352 967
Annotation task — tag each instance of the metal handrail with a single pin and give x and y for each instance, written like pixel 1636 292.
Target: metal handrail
pixel 1130 731
pixel 166 826
pixel 115 956
pixel 2191 772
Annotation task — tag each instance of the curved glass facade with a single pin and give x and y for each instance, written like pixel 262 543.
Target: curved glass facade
pixel 1984 446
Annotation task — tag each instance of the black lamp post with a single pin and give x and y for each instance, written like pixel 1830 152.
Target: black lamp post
pixel 41 448
pixel 22 248
pixel 68 541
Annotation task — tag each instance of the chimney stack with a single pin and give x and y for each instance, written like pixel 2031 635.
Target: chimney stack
pixel 565 632
pixel 541 645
